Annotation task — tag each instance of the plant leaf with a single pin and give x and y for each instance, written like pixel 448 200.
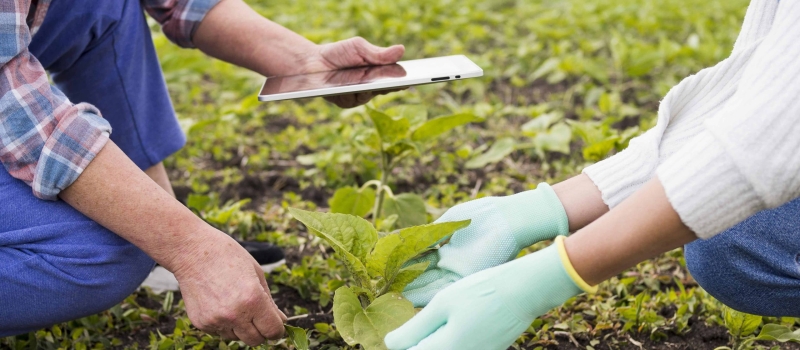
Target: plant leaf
pixel 345 308
pixel 416 114
pixel 385 314
pixel 394 250
pixel 350 236
pixel 440 125
pixel 351 200
pixel 556 139
pixel 390 129
pixel 297 336
pixel 499 150
pixel 407 275
pixel 409 207
pixel 780 333
pixel 369 326
pixel 740 324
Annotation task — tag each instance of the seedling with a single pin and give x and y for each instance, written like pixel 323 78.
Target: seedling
pixel 370 305
pixel 394 138
pixel 741 327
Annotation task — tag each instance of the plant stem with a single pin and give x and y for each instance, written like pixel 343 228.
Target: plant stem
pixel 384 179
pixel 375 183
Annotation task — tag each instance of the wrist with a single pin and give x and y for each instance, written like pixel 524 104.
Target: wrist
pixel 534 215
pixel 185 246
pixel 537 282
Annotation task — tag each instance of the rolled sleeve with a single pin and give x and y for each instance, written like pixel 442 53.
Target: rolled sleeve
pixel 45 140
pixel 179 19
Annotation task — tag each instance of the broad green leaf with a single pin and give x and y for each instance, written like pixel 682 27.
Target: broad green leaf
pixel 350 236
pixel 541 123
pixel 394 250
pixel 351 200
pixel 369 326
pixel 740 324
pixel 416 114
pixel 499 150
pixel 297 336
pixel 780 333
pixel 409 208
pixel 385 314
pixel 390 129
pixel 556 139
pixel 407 275
pixel 440 125
pixel 345 308
pixel 351 233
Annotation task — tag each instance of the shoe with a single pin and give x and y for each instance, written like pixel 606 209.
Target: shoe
pixel 267 255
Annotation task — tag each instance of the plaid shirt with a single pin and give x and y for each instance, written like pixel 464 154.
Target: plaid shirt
pixel 45 140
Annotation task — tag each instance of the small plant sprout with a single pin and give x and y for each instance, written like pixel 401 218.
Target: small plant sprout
pixel 394 138
pixel 741 327
pixel 370 306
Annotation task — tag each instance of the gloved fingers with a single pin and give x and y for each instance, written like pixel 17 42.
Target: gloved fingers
pixel 432 258
pixel 445 337
pixel 419 327
pixel 422 290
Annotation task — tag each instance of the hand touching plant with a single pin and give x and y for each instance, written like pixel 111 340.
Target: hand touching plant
pixel 501 227
pixel 490 309
pixel 225 291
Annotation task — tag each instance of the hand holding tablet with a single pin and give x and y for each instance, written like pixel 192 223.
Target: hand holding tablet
pixel 369 78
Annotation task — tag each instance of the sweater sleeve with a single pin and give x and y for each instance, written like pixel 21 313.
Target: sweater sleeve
pixel 681 113
pixel 746 157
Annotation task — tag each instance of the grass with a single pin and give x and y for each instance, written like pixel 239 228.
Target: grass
pixel 566 83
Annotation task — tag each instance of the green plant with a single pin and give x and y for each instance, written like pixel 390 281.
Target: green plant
pixel 371 305
pixel 741 327
pixel 399 132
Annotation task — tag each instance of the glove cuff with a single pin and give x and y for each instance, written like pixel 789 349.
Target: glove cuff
pixel 570 270
pixel 534 215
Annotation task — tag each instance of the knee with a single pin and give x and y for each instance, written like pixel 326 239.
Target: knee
pixel 740 278
pixel 123 268
pixel 716 274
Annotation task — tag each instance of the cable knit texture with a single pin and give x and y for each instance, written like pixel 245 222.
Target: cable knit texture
pixel 723 146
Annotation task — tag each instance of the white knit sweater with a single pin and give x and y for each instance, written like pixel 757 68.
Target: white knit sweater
pixel 727 141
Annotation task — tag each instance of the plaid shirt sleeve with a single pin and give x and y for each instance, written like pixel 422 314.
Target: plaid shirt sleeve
pixel 45 140
pixel 179 18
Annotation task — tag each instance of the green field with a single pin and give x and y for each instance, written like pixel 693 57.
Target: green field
pixel 566 83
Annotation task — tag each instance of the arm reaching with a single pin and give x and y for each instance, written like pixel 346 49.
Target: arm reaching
pixel 504 300
pixel 115 193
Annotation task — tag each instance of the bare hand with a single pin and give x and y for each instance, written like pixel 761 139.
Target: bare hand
pixel 225 292
pixel 353 52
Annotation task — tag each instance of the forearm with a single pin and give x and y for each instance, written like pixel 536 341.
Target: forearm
pixel 581 200
pixel 235 33
pixel 118 195
pixel 641 227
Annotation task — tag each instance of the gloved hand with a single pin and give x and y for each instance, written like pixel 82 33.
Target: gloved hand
pixel 490 309
pixel 501 227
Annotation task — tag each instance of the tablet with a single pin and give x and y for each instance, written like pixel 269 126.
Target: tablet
pixel 369 78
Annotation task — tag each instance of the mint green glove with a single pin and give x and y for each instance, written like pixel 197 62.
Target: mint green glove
pixel 490 309
pixel 501 227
